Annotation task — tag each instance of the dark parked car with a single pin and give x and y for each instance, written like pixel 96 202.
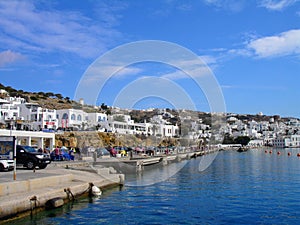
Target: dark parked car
pixel 28 157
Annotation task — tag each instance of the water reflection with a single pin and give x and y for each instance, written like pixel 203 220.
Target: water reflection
pixel 238 188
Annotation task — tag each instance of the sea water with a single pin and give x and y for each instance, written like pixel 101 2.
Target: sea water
pixel 252 187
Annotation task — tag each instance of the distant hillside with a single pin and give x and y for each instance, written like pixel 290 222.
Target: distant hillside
pixel 48 100
pixel 57 101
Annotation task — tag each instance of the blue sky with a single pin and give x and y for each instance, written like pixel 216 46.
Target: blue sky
pixel 252 47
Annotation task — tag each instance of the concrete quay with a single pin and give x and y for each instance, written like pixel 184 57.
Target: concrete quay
pixel 33 189
pixel 138 163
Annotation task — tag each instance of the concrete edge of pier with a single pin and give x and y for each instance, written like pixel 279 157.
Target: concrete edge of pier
pixel 20 197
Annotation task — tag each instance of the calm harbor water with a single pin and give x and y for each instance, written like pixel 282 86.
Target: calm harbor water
pixel 238 188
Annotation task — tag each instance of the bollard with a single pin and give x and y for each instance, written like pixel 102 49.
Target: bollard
pixel 95 156
pixel 122 179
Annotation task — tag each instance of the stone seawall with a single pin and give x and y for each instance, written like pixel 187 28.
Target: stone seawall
pixel 83 139
pixel 32 190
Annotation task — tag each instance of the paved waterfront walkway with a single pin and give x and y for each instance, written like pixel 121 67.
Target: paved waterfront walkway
pixel 17 196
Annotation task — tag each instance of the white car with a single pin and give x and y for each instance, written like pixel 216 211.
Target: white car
pixel 6 164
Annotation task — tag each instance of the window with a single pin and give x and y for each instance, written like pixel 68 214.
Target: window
pixel 33 117
pixel 65 116
pixel 79 118
pixel 73 117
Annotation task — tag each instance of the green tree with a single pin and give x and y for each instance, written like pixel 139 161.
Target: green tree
pixel 228 139
pixel 33 98
pixel 103 106
pixel 49 94
pixel 59 96
pixel 243 140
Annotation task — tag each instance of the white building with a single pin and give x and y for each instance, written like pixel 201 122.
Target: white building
pixel 290 141
pixel 8 111
pixel 72 118
pixel 167 130
pixel 256 143
pixel 123 124
pixel 15 100
pixel 39 118
pixel 97 119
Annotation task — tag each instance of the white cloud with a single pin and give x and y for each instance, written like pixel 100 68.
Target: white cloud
pixel 8 57
pixel 196 67
pixel 129 71
pixel 240 52
pixel 102 71
pixel 175 75
pixel 26 28
pixel 277 4
pixel 286 43
pixel 230 5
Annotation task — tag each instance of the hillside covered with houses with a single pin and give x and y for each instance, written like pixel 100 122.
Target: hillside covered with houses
pixel 49 112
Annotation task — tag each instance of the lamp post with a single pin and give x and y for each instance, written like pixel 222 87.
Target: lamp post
pixel 14 147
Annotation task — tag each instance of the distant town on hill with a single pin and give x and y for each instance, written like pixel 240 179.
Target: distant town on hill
pixel 22 110
pixel 57 101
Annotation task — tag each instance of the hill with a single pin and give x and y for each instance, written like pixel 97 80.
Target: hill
pixel 57 101
pixel 48 100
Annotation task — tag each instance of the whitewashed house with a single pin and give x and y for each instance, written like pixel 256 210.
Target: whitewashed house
pixel 15 100
pixel 256 143
pixel 164 128
pixel 167 130
pixel 123 124
pixel 290 141
pixel 8 111
pixel 72 119
pixel 97 119
pixel 39 118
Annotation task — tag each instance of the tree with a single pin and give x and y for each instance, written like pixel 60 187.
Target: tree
pixel 34 98
pixel 228 139
pixel 103 106
pixel 49 94
pixel 243 140
pixel 59 96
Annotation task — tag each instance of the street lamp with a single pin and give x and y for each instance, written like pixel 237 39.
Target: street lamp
pixel 12 121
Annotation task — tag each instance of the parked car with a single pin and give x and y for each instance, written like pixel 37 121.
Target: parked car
pixel 63 155
pixel 123 150
pixel 102 152
pixel 28 157
pixel 6 164
pixel 113 152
